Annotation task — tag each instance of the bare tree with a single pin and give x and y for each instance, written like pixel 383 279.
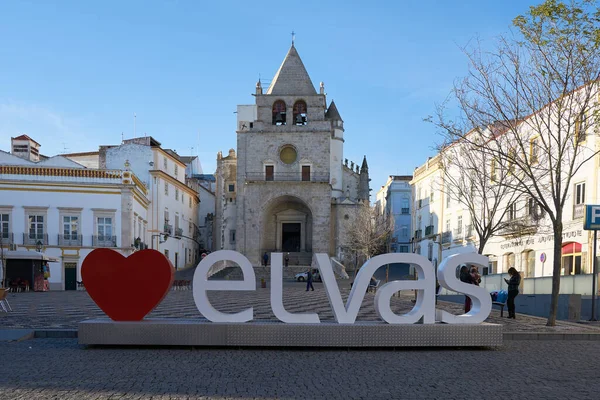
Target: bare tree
pixel 370 233
pixel 537 93
pixel 480 192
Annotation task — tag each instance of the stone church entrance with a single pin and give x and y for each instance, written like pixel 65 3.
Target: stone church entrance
pixel 287 226
pixel 290 237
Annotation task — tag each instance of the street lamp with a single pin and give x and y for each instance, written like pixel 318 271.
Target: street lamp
pixel 38 246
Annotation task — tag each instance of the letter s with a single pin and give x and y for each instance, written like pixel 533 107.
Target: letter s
pixel 482 301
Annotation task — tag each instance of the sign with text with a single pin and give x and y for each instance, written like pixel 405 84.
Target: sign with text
pixel 592 217
pixel 424 286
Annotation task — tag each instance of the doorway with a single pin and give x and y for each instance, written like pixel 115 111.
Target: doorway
pixel 290 237
pixel 70 276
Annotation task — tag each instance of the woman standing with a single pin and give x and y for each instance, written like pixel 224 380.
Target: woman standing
pixel 466 278
pixel 513 290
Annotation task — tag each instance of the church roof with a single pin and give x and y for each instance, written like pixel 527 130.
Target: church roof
pixel 333 113
pixel 292 78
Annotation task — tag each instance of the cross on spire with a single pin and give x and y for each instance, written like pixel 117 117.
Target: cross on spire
pixel 293 37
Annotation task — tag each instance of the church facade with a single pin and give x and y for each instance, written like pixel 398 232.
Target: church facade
pixel 288 188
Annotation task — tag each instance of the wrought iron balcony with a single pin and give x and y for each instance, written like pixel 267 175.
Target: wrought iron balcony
pixel 32 239
pixel 446 237
pixel 168 229
pixel 178 232
pixel 578 211
pixel 429 230
pixel 458 234
pixel 104 241
pixel 286 177
pixel 6 237
pixel 469 232
pixel 418 234
pixel 406 210
pixel 70 240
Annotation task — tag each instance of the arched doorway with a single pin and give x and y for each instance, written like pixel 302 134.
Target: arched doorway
pixel 571 259
pixel 287 226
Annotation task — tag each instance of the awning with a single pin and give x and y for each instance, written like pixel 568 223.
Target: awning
pixel 28 255
pixel 571 248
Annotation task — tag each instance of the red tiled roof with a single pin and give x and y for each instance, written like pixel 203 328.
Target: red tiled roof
pixel 25 137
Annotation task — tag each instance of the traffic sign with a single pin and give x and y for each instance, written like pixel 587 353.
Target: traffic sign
pixel 592 217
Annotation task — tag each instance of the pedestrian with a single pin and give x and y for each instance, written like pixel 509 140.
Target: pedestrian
pixel 475 276
pixel 309 280
pixel 265 259
pixel 513 290
pixel 287 259
pixel 466 278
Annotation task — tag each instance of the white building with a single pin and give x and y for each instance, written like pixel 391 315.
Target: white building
pixel 173 211
pixel 530 247
pixel 66 210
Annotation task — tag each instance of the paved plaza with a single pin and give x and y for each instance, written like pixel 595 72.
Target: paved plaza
pixel 62 369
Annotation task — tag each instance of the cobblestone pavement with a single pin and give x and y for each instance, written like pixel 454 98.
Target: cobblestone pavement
pixel 66 309
pixel 62 369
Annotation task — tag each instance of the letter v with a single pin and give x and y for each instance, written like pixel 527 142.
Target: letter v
pixel 345 314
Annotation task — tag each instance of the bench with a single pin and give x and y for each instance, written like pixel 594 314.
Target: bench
pixel 497 303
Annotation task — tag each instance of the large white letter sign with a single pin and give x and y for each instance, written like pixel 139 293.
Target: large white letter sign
pixel 424 307
pixel 482 301
pixel 202 285
pixel 277 296
pixel 425 286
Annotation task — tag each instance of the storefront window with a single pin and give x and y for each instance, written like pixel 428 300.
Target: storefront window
pixel 571 259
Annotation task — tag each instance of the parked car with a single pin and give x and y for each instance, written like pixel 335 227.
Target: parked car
pixel 303 276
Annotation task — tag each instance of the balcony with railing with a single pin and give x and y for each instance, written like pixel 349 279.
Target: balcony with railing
pixel 286 177
pixel 406 210
pixel 458 234
pixel 446 237
pixel 178 232
pixel 469 231
pixel 70 240
pixel 104 241
pixel 578 211
pixel 33 239
pixel 168 229
pixel 429 230
pixel 418 234
pixel 6 237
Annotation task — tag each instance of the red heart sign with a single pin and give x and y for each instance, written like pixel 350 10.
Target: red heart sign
pixel 127 288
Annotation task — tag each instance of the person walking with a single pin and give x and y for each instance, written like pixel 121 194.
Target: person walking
pixel 265 259
pixel 287 259
pixel 309 280
pixel 513 290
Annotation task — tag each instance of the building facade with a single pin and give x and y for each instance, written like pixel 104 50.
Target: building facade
pixel 64 210
pixel 525 240
pixel 394 199
pixel 287 187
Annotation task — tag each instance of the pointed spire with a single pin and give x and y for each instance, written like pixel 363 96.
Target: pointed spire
pixel 292 78
pixel 333 113
pixel 364 167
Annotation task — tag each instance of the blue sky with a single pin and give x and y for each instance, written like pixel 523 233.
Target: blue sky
pixel 73 73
